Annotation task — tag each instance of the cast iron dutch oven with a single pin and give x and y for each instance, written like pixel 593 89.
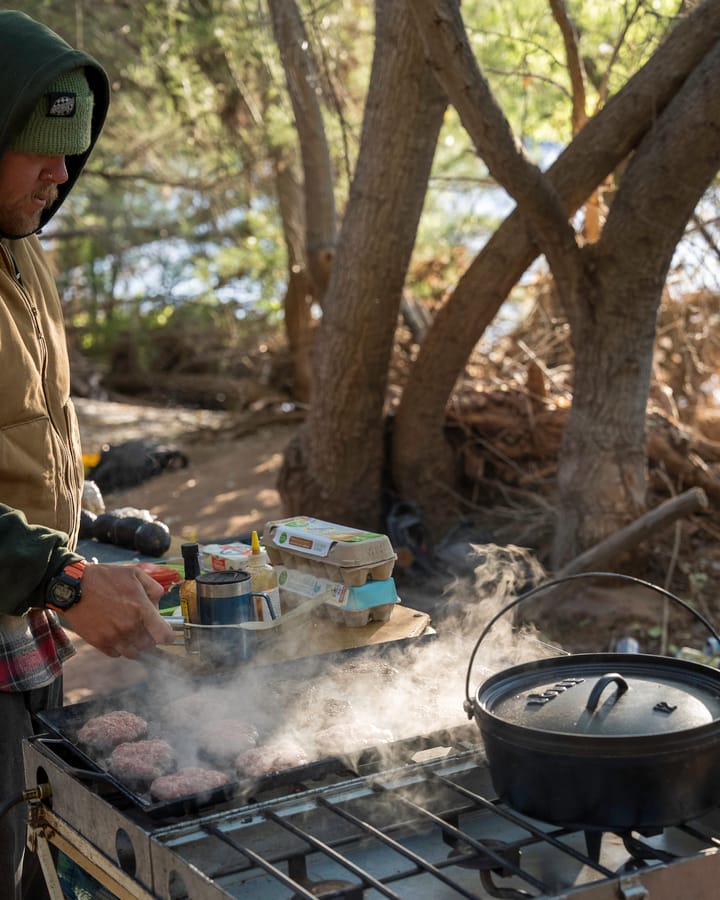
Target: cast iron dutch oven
pixel 615 741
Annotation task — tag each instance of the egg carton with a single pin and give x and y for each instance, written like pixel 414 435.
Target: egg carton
pixel 326 550
pixel 357 618
pixel 351 606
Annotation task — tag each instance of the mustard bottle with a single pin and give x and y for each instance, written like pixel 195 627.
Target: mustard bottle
pixel 263 578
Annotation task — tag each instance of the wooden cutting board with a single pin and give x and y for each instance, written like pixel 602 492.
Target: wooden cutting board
pixel 314 636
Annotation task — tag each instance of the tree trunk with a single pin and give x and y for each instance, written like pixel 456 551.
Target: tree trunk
pixel 601 476
pixel 308 266
pixel 302 82
pixel 334 465
pixel 422 464
pixel 297 302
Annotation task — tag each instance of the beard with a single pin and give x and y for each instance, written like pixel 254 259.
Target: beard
pixel 23 218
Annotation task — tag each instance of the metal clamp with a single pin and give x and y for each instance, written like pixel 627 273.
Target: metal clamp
pixel 631 888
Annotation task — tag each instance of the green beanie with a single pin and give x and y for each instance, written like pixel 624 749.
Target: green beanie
pixel 61 123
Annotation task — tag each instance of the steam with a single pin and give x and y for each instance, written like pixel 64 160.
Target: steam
pixel 372 700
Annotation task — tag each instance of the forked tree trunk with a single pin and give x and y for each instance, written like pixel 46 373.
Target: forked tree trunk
pixel 423 468
pixel 335 463
pixel 297 302
pixel 601 476
pixel 307 209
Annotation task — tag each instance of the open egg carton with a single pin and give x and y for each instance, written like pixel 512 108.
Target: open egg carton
pixel 350 567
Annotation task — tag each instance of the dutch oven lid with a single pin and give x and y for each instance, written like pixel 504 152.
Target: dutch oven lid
pixel 604 694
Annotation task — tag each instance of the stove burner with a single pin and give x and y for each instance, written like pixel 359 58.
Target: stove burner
pixel 483 860
pixel 420 829
pixel 297 870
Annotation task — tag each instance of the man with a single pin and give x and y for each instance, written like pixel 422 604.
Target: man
pixel 54 103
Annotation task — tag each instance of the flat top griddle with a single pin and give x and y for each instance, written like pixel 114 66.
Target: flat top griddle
pixel 64 725
pixel 281 680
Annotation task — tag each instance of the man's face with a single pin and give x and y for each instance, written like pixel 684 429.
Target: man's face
pixel 28 185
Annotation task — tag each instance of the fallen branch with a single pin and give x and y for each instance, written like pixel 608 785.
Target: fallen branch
pixel 613 547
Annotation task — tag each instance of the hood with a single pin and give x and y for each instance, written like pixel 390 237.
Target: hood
pixel 31 57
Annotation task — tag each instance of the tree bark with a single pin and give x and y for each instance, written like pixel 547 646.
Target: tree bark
pixel 601 476
pixel 335 463
pixel 423 469
pixel 297 302
pixel 302 82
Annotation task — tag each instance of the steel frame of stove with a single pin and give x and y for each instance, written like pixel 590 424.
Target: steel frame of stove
pixel 424 829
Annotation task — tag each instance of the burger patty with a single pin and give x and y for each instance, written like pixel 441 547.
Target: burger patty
pixel 187 781
pixel 223 740
pixel 103 733
pixel 142 760
pixel 270 758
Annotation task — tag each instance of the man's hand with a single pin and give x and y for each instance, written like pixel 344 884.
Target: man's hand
pixel 117 612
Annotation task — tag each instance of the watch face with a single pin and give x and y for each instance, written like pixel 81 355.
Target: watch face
pixel 63 591
pixel 63 594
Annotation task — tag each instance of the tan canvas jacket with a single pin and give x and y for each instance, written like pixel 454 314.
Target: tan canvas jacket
pixel 40 454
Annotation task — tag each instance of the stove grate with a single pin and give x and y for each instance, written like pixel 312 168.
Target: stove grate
pixel 389 830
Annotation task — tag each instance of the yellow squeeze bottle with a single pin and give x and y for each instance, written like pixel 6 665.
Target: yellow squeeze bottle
pixel 263 579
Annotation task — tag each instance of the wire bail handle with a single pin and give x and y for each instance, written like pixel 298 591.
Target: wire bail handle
pixel 468 703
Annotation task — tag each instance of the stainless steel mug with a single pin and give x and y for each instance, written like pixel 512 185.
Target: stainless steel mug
pixel 224 602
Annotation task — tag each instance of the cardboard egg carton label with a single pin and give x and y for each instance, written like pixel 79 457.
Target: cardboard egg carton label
pixel 338 544
pixel 330 551
pixel 351 606
pixel 350 576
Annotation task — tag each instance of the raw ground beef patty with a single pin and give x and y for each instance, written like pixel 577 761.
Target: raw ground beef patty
pixel 187 781
pixel 103 733
pixel 142 760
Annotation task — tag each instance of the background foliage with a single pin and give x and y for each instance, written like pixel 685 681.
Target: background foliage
pixel 173 236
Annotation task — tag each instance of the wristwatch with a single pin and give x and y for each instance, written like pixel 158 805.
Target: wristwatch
pixel 64 589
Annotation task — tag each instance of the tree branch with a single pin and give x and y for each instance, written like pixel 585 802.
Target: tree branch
pixel 457 70
pixel 615 546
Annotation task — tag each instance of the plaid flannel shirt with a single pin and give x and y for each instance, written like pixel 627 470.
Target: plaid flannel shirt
pixel 32 649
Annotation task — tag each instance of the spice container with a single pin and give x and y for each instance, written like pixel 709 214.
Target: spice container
pixel 221 557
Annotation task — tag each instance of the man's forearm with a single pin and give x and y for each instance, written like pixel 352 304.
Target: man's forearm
pixel 30 555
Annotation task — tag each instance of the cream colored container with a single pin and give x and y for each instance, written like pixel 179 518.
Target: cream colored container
pixel 351 606
pixel 334 552
pixel 222 557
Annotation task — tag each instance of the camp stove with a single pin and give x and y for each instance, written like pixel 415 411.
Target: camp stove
pixel 421 822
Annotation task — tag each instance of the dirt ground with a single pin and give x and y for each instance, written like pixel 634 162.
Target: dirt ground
pixel 227 489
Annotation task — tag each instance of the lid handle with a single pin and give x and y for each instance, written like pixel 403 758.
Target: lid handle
pixel 600 686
